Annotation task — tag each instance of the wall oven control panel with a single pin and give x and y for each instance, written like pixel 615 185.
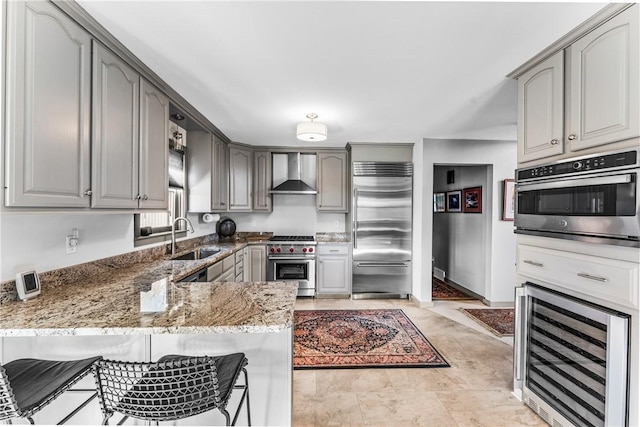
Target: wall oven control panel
pixel 584 164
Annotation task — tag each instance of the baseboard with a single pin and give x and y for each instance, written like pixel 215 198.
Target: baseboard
pixel 498 304
pixel 421 304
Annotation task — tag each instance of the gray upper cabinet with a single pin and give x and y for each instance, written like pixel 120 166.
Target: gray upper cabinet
pixel 262 181
pixel 154 156
pixel 116 106
pixel 208 173
pixel 240 179
pixel 585 97
pixel 605 84
pixel 220 174
pixel 130 137
pixel 541 110
pixel 332 181
pixel 49 96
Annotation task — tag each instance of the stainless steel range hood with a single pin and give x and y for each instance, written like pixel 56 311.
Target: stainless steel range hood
pixel 293 181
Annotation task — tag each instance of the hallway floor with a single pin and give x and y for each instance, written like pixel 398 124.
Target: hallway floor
pixel 474 391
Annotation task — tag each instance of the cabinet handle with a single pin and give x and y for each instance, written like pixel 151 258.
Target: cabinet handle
pixel 88 193
pixel 554 142
pixel 138 197
pixel 536 264
pixel 572 137
pixel 334 250
pixel 145 197
pixel 590 277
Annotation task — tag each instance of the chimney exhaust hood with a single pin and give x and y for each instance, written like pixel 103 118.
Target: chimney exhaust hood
pixel 289 167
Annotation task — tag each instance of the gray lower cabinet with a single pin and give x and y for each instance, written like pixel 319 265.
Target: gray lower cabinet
pixel 240 179
pixel 223 270
pixel 332 181
pixel 334 270
pixel 257 263
pixel 129 160
pixel 49 98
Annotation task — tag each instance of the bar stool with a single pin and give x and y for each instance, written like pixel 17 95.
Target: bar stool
pixel 27 385
pixel 172 388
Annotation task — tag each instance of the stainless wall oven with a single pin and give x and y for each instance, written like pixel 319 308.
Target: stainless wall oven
pixel 592 198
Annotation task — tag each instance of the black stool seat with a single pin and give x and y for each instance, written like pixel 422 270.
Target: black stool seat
pixel 34 383
pixel 173 388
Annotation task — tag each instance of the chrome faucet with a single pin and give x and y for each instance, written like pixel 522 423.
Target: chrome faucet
pixel 173 231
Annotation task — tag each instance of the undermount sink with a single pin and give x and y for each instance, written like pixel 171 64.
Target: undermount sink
pixel 197 254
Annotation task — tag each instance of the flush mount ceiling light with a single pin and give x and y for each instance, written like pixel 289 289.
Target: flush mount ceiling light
pixel 311 131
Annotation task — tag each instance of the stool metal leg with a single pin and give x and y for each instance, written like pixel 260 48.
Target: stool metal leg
pixel 245 397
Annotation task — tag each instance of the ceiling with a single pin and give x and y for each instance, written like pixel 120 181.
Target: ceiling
pixel 381 71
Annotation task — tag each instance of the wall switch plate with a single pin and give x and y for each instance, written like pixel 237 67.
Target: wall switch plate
pixel 72 244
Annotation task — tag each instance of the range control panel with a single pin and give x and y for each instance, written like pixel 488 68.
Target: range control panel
pixel 604 161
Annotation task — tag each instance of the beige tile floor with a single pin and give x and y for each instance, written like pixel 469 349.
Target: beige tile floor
pixel 474 391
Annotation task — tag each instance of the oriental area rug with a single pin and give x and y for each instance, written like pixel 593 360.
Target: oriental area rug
pixel 498 320
pixel 360 339
pixel 443 291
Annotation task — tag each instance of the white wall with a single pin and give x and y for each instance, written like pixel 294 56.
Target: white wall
pixel 460 239
pixel 293 214
pixel 37 240
pixel 500 254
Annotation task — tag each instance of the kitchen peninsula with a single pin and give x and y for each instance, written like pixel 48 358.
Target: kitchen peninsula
pixel 142 312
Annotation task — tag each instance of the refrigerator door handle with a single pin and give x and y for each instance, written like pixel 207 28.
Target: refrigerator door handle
pixel 355 218
pixel 382 264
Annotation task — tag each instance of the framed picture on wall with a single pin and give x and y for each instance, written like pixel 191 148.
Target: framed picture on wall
pixel 453 201
pixel 472 200
pixel 439 204
pixel 508 200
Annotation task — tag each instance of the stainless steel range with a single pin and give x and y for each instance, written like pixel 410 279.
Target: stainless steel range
pixel 293 258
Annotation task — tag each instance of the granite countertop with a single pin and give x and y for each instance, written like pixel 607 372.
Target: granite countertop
pixel 333 237
pixel 147 298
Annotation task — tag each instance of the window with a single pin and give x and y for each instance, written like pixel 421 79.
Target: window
pixel 153 227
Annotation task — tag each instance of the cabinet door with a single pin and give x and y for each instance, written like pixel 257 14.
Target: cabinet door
pixel 240 179
pixel 262 181
pixel 116 95
pixel 541 110
pixel 332 182
pixel 257 263
pixel 48 108
pixel 605 84
pixel 220 175
pixel 333 275
pixel 154 154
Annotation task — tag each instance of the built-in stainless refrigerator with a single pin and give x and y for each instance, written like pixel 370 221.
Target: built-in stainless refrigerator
pixel 381 216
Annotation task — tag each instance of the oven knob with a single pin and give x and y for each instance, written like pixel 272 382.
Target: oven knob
pixel 278 250
pixel 563 223
pixel 272 250
pixel 290 249
pixel 310 249
pixel 577 165
pixel 304 249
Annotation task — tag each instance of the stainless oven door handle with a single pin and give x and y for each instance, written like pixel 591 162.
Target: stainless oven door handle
pixel 289 258
pixel 566 183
